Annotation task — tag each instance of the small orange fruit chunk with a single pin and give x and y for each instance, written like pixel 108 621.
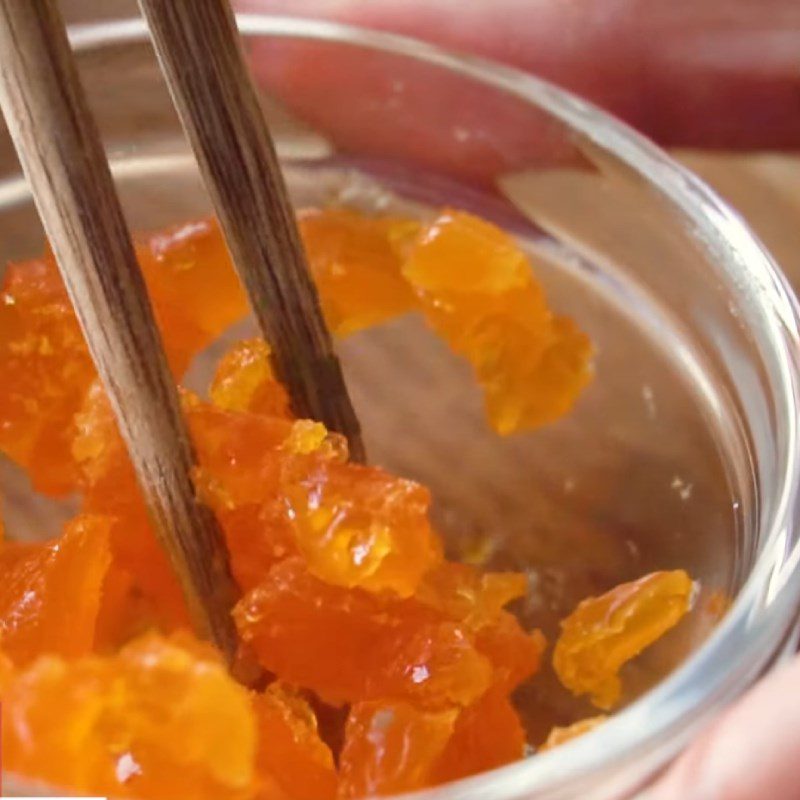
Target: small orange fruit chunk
pixel 110 488
pixel 474 285
pixel 476 600
pixel 156 721
pixel 391 747
pixel 478 292
pixel 459 252
pixel 384 646
pixel 50 592
pixel 469 595
pixel 355 525
pixel 290 750
pixel 515 653
pixel 604 632
pixel 562 735
pixel 487 734
pixel 361 526
pixel 258 538
pixel 356 266
pixel 244 381
pixel 45 370
pixel 195 291
pixel 240 454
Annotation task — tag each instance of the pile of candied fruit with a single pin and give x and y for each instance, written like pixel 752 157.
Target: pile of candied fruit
pixel 392 668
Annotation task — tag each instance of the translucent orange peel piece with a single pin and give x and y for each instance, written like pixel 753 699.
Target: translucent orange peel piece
pixel 475 286
pixel 392 747
pixel 487 735
pixel 384 646
pixel 479 294
pixel 244 381
pixel 50 592
pixel 45 370
pixel 290 750
pixel 356 262
pixel 604 632
pixel 155 721
pixel 361 526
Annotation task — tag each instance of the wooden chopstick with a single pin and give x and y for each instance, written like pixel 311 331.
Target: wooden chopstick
pixel 198 46
pixel 61 153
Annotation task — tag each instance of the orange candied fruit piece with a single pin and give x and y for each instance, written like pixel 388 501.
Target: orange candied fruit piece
pixel 605 632
pixel 355 260
pixel 487 735
pixel 160 719
pixel 459 252
pixel 515 654
pixel 561 735
pixel 384 646
pixel 154 721
pixel 195 291
pixel 355 525
pixel 244 381
pixel 465 593
pixel 476 600
pixel 239 453
pixel 475 287
pixel 391 747
pixel 361 526
pixel 478 292
pixel 45 370
pixel 291 753
pixel 50 592
pixel 140 574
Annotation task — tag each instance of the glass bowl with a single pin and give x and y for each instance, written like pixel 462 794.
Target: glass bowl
pixel 682 453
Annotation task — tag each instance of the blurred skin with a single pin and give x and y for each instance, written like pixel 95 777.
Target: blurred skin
pixel 691 73
pixel 700 73
pixel 752 752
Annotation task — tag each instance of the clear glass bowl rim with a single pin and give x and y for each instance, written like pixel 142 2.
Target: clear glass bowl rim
pixel 642 737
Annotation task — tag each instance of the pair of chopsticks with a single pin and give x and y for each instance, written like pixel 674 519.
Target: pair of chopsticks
pixel 61 153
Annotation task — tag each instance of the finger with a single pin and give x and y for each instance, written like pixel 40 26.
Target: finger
pixel 716 73
pixel 751 753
